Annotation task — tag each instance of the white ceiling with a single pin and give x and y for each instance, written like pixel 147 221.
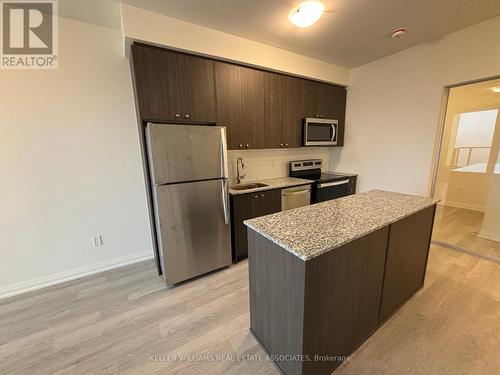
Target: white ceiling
pixel 350 33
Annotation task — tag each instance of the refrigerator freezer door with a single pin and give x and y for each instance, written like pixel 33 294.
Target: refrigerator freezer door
pixel 194 236
pixel 181 153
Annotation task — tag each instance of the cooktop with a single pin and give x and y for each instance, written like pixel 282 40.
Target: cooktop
pixel 311 170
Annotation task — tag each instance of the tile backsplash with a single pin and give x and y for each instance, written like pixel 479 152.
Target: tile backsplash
pixel 263 164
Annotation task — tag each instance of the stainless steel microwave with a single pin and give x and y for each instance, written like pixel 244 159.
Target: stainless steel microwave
pixel 320 132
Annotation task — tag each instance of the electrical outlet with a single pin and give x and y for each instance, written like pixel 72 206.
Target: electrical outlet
pixel 97 240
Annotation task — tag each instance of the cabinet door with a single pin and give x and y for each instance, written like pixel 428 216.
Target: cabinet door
pixel 155 76
pixel 406 261
pixel 309 98
pixel 229 104
pixel 252 114
pixel 248 206
pixel 332 105
pixel 266 202
pixel 292 125
pixel 331 101
pixel 240 104
pixel 196 88
pixel 242 209
pixel 282 114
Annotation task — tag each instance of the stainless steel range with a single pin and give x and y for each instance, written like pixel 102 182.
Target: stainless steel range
pixel 327 185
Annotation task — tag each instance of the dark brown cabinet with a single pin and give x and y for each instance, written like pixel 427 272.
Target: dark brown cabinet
pixel 249 206
pixel 406 260
pixel 283 118
pixel 261 109
pixel 328 305
pixel 325 101
pixel 351 188
pixel 240 104
pixel 172 86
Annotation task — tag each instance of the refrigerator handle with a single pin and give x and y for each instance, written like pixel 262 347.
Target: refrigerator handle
pixel 225 201
pixel 224 153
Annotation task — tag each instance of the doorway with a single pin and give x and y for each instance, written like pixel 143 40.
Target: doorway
pixel 467 182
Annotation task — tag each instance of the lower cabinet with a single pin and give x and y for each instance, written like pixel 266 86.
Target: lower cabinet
pixel 249 206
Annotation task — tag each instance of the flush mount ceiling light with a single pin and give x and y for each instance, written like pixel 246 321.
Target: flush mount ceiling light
pixel 306 13
pixel 398 33
pixel 495 89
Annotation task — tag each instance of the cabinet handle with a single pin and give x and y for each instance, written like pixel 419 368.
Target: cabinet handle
pixel 317 116
pixel 262 195
pixel 186 115
pixel 281 144
pixel 177 115
pixel 255 196
pixel 248 145
pixel 286 144
pixel 241 145
pixel 322 116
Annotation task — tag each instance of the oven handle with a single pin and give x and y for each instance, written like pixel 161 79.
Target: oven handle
pixel 328 184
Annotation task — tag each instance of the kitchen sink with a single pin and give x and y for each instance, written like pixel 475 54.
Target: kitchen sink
pixel 248 186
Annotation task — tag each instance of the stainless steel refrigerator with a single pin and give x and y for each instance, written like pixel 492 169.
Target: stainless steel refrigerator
pixel 188 169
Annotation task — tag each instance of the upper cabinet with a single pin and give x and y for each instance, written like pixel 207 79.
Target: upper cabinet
pixel 283 119
pixel 173 86
pixel 240 104
pixel 322 100
pixel 260 109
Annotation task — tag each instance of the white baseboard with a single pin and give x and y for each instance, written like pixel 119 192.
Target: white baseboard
pixel 75 273
pixel 462 205
pixel 492 236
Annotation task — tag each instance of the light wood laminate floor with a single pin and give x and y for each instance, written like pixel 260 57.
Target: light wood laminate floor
pixel 126 322
pixel 460 227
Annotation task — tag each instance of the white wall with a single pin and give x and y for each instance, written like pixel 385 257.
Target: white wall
pixel 490 229
pixel 394 104
pixel 142 25
pixel 70 164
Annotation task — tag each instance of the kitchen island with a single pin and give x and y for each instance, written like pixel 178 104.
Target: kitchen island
pixel 324 277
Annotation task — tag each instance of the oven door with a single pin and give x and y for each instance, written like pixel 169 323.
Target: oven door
pixel 331 190
pixel 320 132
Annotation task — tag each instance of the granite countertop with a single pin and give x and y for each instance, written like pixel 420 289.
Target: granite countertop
pixel 273 183
pixel 314 230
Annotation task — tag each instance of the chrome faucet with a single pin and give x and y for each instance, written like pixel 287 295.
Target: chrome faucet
pixel 239 176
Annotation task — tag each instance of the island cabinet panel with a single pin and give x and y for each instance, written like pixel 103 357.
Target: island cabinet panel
pixel 406 262
pixel 172 86
pixel 240 104
pixel 320 310
pixel 342 297
pixel 249 206
pixel 277 301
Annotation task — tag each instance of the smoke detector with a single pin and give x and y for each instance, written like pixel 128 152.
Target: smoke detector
pixel 398 33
